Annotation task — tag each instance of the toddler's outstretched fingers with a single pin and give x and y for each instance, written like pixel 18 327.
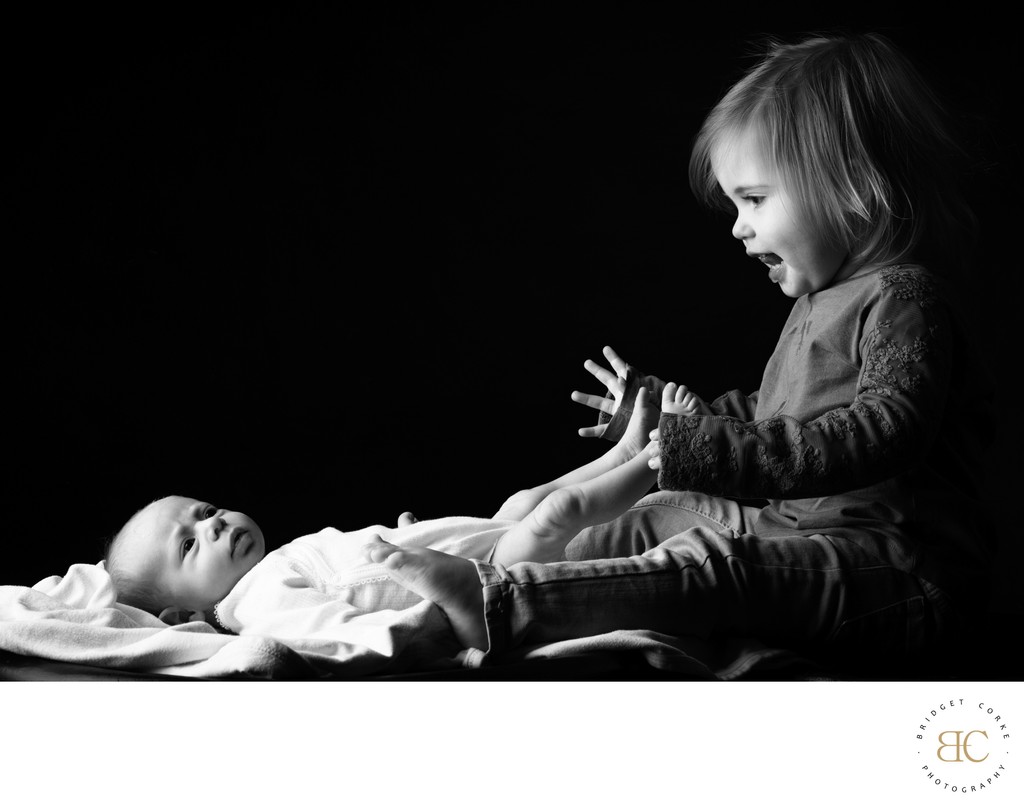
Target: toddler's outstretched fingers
pixel 618 365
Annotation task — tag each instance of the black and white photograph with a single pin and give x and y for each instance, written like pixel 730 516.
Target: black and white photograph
pixel 383 355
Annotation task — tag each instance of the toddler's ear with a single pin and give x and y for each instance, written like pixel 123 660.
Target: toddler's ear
pixel 179 616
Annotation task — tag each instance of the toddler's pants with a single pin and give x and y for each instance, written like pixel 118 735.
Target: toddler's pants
pixel 686 564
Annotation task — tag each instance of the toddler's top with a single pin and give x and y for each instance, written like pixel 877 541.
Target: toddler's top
pixel 870 424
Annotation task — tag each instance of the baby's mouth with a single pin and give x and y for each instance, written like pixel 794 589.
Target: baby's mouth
pixel 235 539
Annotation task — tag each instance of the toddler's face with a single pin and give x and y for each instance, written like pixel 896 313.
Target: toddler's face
pixel 770 225
pixel 192 550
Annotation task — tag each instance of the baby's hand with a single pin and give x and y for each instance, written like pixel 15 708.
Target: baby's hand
pixel 676 399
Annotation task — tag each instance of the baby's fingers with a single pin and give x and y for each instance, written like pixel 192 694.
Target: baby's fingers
pixel 367 549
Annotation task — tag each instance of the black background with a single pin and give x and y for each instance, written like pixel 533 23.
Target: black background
pixel 324 267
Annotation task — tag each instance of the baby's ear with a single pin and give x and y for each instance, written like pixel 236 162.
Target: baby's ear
pixel 179 616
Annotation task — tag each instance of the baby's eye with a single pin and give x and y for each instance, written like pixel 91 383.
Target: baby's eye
pixel 186 545
pixel 209 511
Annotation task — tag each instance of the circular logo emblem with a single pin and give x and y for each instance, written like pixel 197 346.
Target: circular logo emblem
pixel 963 746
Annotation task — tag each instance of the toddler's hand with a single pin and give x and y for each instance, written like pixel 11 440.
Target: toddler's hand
pixel 654 451
pixel 615 382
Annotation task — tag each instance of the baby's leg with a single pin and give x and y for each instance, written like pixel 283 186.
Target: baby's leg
pixel 634 440
pixel 542 536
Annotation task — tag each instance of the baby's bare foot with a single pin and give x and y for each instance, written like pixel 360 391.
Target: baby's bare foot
pixel 644 418
pixel 676 399
pixel 450 582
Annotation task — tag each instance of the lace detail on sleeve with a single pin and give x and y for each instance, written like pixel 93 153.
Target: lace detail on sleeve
pixel 889 368
pixel 905 283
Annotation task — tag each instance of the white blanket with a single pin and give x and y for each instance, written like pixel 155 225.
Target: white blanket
pixel 76 618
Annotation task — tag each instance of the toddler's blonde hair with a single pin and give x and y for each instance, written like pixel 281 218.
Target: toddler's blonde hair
pixel 856 137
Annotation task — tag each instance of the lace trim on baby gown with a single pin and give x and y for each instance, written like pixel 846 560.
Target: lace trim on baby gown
pixel 218 624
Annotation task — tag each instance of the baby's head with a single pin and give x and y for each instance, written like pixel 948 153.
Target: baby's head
pixel 855 137
pixel 181 553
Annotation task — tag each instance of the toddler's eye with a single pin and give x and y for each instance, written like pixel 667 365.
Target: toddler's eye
pixel 755 200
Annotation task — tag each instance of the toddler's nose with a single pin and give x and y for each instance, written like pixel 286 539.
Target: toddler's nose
pixel 741 230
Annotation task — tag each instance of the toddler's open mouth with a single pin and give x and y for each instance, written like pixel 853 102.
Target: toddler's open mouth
pixel 775 264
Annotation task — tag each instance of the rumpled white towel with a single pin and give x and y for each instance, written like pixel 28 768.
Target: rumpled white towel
pixel 76 618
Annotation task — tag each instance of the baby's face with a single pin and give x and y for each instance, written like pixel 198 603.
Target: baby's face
pixel 192 550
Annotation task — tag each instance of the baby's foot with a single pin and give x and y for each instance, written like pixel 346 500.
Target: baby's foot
pixel 450 582
pixel 676 399
pixel 644 418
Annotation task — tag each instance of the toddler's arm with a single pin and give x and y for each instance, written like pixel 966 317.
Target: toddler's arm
pixel 887 427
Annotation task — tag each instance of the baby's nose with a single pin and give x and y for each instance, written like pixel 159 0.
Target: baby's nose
pixel 214 525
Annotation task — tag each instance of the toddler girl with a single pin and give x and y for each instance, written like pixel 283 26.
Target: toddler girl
pixel 865 437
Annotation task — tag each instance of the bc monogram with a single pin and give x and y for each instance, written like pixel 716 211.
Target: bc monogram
pixel 962 744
